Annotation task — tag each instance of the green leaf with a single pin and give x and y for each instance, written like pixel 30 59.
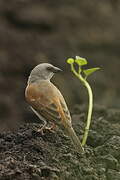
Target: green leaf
pixel 80 61
pixel 87 72
pixel 70 60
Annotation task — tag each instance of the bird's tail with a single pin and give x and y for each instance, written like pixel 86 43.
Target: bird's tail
pixel 71 133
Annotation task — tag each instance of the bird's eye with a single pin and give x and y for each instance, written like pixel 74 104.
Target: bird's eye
pixel 50 68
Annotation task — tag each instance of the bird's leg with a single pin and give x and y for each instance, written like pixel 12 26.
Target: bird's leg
pixel 51 128
pixel 41 118
pixel 40 130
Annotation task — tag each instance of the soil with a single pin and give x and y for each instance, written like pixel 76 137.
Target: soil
pixel 33 32
pixel 26 154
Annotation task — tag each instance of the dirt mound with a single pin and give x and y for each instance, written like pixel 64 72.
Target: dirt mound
pixel 26 154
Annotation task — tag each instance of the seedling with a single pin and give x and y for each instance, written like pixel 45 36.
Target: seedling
pixel 82 75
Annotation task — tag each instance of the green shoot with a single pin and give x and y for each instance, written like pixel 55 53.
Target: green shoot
pixel 81 62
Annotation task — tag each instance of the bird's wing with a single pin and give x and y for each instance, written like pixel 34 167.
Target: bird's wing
pixel 52 108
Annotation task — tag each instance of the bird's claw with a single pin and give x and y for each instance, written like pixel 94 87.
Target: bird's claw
pixel 45 128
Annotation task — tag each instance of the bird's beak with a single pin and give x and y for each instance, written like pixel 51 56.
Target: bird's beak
pixel 56 70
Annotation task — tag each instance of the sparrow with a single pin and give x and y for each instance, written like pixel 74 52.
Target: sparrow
pixel 47 102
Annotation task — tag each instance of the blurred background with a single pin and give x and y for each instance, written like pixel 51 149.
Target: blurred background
pixel 34 31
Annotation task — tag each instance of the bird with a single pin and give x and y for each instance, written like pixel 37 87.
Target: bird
pixel 47 102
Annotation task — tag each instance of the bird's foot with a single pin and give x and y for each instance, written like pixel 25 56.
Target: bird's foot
pixel 45 128
pixel 40 130
pixel 51 128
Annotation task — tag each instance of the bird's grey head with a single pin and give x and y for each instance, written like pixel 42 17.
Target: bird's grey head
pixel 43 71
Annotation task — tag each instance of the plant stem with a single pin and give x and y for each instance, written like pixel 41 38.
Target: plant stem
pixel 90 106
pixel 89 116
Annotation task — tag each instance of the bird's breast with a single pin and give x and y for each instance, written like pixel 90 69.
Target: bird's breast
pixel 39 92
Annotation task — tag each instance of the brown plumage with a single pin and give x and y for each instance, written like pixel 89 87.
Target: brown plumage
pixel 47 101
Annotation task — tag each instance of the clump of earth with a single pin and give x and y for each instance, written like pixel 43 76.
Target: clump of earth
pixel 27 154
